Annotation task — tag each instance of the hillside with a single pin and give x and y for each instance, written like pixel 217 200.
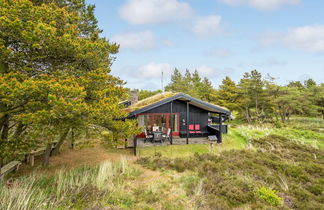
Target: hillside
pixel 256 167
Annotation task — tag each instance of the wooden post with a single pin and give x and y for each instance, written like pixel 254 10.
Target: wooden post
pixel 171 121
pixel 135 144
pixel 220 129
pixel 32 160
pixel 72 138
pixel 187 125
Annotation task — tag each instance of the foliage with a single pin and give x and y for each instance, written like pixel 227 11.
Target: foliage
pixel 256 98
pixel 191 84
pixel 81 187
pixel 293 170
pixel 269 196
pixel 142 94
pixel 55 74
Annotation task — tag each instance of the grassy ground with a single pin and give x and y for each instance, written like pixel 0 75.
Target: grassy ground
pixel 255 167
pixel 275 172
pixel 233 140
pixel 304 130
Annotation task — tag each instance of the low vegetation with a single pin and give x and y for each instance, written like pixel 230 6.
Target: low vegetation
pixel 255 167
pixel 312 134
pixel 274 168
pixel 82 187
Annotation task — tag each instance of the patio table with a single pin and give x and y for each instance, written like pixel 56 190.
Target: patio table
pixel 157 136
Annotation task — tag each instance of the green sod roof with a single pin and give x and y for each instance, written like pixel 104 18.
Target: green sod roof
pixel 148 103
pixel 150 100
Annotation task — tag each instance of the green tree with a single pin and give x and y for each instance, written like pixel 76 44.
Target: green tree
pixel 296 84
pixel 309 83
pixel 177 82
pixel 43 47
pixel 206 91
pixel 228 95
pixel 142 94
pixel 252 100
pixel 288 101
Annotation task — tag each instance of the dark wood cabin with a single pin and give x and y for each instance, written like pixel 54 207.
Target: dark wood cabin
pixel 191 117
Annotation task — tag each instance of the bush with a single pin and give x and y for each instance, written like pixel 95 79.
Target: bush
pixel 278 124
pixel 269 196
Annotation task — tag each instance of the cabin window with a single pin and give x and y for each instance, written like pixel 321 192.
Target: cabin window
pixel 144 121
pixel 159 122
pixel 175 123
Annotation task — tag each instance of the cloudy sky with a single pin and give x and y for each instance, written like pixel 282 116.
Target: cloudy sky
pixel 283 38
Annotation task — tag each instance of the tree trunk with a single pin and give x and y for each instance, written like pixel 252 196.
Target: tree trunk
pixel 72 138
pixel 19 130
pixel 1 162
pixel 47 155
pixel 60 142
pixel 247 115
pixel 257 108
pixel 5 127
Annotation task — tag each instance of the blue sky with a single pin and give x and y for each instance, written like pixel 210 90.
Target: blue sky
pixel 283 38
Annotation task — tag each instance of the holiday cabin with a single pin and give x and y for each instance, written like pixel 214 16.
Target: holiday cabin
pixel 180 114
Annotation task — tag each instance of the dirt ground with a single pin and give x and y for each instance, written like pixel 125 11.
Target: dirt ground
pixel 68 159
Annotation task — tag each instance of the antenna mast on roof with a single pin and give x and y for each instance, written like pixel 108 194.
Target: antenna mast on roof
pixel 162 82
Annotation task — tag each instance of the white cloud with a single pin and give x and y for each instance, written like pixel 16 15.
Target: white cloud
pixel 307 38
pixel 150 71
pixel 137 41
pixel 154 11
pixel 219 52
pixel 269 62
pixel 207 26
pixel 168 43
pixel 262 4
pixel 210 72
pixel 154 70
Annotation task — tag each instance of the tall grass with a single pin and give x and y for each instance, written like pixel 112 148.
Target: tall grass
pixel 76 187
pixel 21 196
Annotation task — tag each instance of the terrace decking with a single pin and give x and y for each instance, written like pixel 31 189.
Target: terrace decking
pixel 176 141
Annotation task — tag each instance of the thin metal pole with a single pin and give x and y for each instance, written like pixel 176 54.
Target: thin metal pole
pixel 187 125
pixel 171 122
pixel 162 87
pixel 220 129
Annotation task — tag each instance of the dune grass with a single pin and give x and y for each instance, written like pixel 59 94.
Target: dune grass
pixel 73 189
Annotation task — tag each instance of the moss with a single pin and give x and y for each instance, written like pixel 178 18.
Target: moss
pixel 150 100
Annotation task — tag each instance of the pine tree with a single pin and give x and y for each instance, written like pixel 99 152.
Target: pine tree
pixel 228 94
pixel 57 68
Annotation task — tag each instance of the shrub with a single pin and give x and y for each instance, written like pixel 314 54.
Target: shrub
pixel 269 196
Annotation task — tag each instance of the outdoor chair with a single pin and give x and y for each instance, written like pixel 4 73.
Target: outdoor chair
pixel 168 135
pixel 147 136
pixel 191 129
pixel 197 128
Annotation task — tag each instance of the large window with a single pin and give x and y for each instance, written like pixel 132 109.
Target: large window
pixel 175 123
pixel 144 121
pixel 159 122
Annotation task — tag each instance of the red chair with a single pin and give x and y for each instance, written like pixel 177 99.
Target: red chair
pixel 197 128
pixel 191 129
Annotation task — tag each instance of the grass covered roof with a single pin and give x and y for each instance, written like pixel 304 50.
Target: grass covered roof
pixel 135 108
pixel 150 100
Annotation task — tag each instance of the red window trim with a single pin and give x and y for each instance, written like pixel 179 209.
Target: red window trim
pixel 167 121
